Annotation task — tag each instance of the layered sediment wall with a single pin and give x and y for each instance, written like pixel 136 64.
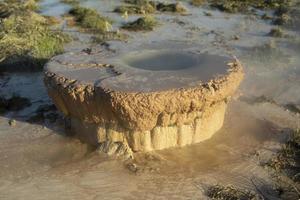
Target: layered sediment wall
pixel 142 121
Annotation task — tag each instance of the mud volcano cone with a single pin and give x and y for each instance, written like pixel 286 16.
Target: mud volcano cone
pixel 143 101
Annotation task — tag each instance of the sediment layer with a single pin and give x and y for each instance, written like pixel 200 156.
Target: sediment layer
pixel 143 120
pixel 160 137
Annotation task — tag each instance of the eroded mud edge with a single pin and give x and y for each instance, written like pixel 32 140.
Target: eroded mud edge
pixel 202 128
pixel 145 121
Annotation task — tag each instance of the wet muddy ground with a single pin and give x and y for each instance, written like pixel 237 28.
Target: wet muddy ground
pixel 38 160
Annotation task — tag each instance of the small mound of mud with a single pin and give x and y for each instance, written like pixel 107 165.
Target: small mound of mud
pixel 147 100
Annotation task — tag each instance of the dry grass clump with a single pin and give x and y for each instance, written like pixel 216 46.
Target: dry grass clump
pixel 197 2
pixel 157 6
pixel 9 7
pixel 282 19
pixel 136 9
pixel 276 32
pixel 229 192
pixel 283 15
pixel 146 23
pixel 137 2
pixel 90 19
pixel 288 159
pixel 286 168
pixel 109 36
pixel 26 39
pixel 71 2
pixel 233 6
pixel 171 7
pixel 282 8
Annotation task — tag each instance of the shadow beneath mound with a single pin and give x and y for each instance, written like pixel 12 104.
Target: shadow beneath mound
pixel 23 97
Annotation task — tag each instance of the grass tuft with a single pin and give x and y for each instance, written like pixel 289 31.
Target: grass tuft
pixel 136 9
pixel 90 19
pixel 233 6
pixel 197 2
pixel 146 23
pixel 158 6
pixel 71 2
pixel 26 40
pixel 109 36
pixel 229 192
pixel 276 32
pixel 288 159
pixel 171 7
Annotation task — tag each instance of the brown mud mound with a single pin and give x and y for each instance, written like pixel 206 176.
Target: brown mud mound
pixel 145 100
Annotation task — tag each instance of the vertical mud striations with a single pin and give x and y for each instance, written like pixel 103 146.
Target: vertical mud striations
pixel 105 114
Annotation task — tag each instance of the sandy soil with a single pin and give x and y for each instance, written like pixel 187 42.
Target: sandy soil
pixel 38 161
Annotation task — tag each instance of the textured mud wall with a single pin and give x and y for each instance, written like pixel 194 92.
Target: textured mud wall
pixel 145 121
pixel 160 137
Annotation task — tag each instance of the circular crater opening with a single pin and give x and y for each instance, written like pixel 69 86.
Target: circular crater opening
pixel 161 61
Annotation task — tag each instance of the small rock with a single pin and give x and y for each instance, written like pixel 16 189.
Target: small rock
pixel 132 167
pixel 236 37
pixel 118 149
pixel 12 122
pixel 207 14
pixel 266 17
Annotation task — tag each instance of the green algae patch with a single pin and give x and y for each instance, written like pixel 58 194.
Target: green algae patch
pixel 147 23
pixel 26 39
pixel 90 20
